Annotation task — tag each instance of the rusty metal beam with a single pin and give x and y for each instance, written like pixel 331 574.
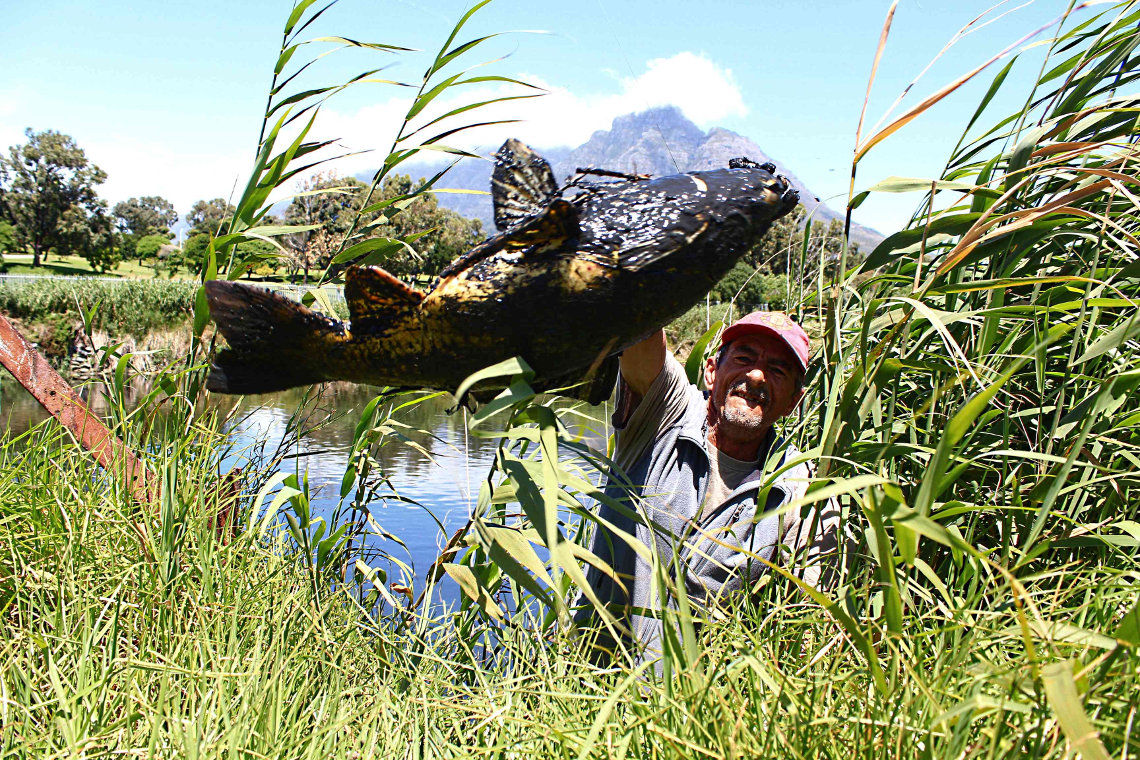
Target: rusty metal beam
pixel 61 401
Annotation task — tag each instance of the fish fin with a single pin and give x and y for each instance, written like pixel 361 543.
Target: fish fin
pixel 376 298
pixel 522 183
pixel 599 384
pixel 476 254
pixel 274 343
pixel 556 223
pixel 553 225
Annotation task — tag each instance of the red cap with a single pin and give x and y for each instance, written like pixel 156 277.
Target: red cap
pixel 775 323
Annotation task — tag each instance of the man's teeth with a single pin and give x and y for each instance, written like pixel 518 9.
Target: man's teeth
pixel 755 398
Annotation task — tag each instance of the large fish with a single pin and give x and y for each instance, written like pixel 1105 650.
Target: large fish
pixel 577 274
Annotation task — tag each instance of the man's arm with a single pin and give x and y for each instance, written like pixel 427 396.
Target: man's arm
pixel 652 396
pixel 641 363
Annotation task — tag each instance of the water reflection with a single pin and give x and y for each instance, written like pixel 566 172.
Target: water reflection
pixel 439 445
pixel 433 480
pixel 434 476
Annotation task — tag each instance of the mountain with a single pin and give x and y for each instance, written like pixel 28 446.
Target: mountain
pixel 659 142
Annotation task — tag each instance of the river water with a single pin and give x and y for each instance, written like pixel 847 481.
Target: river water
pixel 434 479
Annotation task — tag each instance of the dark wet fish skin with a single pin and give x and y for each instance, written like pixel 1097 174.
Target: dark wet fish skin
pixel 598 273
pixel 620 286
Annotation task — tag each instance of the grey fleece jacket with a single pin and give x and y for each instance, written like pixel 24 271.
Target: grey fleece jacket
pixel 662 446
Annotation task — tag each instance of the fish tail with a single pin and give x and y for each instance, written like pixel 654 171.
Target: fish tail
pixel 274 343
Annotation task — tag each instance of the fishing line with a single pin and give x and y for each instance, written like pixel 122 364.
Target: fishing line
pixel 656 124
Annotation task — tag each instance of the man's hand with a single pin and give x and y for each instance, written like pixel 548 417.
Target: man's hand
pixel 641 363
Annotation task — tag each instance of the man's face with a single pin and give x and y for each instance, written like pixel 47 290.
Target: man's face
pixel 754 384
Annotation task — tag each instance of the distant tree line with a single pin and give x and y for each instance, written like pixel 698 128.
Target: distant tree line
pixel 780 260
pixel 49 205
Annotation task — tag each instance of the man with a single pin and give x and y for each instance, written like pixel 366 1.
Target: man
pixel 707 475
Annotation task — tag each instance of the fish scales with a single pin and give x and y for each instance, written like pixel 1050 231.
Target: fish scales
pixel 576 275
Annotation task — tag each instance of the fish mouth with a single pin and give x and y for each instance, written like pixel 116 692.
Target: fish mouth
pixel 766 197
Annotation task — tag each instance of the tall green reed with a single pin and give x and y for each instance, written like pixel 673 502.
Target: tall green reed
pixel 421 129
pixel 978 397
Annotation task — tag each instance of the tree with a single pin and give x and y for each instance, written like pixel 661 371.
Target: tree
pixel 39 182
pixel 7 238
pixel 194 252
pixel 206 217
pixel 780 244
pixel 326 200
pixel 762 275
pixel 451 234
pixel 147 247
pixel 335 208
pixel 149 215
pixel 750 287
pixel 265 254
pixel 90 235
pixel 825 247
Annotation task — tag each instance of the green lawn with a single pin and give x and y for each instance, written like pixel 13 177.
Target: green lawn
pixel 77 265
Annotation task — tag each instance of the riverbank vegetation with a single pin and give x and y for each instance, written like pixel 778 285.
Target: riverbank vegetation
pixel 51 312
pixel 128 308
pixel 972 404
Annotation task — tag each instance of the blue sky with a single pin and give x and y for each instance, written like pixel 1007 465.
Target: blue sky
pixel 167 97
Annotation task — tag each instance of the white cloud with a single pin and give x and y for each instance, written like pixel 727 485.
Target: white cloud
pixel 704 91
pixel 180 174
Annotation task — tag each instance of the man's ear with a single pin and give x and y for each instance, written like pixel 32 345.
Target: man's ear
pixel 710 371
